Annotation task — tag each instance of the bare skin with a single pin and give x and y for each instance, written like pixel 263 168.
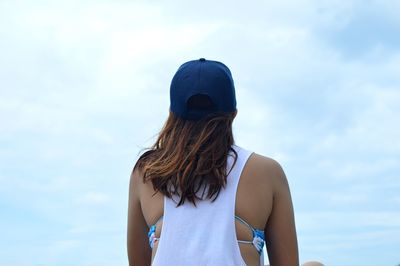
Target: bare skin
pixel 269 207
pixel 313 263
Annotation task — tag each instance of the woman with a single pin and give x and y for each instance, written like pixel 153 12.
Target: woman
pixel 197 198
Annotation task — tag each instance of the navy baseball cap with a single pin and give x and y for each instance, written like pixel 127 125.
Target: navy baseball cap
pixel 200 88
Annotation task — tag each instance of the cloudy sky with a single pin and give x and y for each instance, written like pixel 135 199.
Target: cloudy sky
pixel 85 86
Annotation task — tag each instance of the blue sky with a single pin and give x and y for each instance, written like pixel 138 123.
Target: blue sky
pixel 85 86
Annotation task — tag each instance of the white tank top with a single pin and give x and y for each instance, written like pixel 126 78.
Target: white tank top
pixel 204 235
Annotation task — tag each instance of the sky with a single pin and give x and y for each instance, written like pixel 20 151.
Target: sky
pixel 85 86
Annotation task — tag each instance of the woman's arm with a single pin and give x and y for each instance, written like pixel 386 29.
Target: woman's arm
pixel 280 231
pixel 139 251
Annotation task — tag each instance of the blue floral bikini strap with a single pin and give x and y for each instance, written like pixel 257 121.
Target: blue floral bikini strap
pixel 152 233
pixel 258 236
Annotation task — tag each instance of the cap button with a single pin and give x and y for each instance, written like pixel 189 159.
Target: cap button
pixel 202 59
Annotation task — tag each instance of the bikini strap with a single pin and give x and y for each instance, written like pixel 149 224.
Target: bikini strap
pixel 258 236
pixel 244 222
pixel 152 233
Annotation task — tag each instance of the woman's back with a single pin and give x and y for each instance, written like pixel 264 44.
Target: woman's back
pixel 260 177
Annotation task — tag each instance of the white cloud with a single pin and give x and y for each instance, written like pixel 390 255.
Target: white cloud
pixel 345 220
pixel 95 198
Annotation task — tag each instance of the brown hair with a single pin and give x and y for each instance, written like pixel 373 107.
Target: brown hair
pixel 188 155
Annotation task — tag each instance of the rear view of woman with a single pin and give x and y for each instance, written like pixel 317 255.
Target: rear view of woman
pixel 198 198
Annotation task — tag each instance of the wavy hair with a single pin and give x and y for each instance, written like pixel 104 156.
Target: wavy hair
pixel 188 156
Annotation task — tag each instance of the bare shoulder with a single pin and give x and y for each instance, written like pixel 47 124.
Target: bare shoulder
pixel 136 180
pixel 139 252
pixel 279 229
pixel 269 169
pixel 267 163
